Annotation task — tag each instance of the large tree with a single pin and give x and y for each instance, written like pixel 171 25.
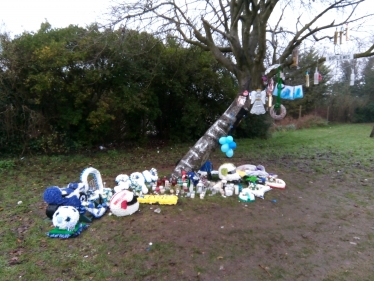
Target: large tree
pixel 245 36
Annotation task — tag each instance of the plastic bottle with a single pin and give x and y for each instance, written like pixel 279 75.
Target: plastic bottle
pixel 316 77
pixel 307 79
pixel 352 80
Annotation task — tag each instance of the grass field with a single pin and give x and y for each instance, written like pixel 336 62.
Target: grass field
pixel 320 228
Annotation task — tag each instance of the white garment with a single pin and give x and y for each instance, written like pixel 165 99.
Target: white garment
pixel 258 101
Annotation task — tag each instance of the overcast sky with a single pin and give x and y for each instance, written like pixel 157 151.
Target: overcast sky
pixel 17 16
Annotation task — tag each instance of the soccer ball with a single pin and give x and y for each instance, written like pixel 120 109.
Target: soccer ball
pixel 66 217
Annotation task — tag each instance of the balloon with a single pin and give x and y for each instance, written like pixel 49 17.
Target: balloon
pixel 222 140
pixel 225 147
pixel 230 153
pixel 232 145
pixel 229 139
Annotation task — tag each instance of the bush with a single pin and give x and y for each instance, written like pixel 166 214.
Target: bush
pixel 6 165
pixel 254 126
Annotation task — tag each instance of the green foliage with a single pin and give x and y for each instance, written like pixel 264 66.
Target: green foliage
pixel 63 89
pixel 7 165
pixel 365 93
pixel 364 114
pixel 254 126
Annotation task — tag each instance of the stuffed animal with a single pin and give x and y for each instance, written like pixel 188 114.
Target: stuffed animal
pixel 150 176
pixel 123 182
pixel 124 203
pixel 138 183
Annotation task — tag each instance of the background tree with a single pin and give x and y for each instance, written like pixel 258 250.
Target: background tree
pixel 240 35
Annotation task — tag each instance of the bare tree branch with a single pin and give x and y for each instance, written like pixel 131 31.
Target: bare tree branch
pixel 240 27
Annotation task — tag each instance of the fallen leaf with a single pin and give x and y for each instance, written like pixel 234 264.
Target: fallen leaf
pixel 14 261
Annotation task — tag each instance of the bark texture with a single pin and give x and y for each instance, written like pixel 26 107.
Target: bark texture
pixel 200 152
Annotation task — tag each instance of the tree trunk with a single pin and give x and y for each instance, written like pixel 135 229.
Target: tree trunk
pixel 200 152
pixel 372 132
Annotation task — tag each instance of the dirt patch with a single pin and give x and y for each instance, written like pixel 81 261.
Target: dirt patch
pixel 318 228
pixel 315 229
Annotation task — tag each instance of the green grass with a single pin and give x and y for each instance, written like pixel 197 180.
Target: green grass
pixel 342 152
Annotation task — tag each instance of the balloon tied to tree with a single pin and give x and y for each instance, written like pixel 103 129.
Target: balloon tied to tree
pixel 227 145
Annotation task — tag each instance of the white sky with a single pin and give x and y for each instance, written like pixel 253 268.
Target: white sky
pixel 17 16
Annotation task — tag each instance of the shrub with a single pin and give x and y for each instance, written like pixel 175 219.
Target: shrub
pixel 6 165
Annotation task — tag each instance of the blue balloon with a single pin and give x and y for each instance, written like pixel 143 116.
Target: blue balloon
pixel 225 147
pixel 229 139
pixel 232 145
pixel 222 140
pixel 230 153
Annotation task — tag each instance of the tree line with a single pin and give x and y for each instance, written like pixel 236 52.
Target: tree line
pixel 65 89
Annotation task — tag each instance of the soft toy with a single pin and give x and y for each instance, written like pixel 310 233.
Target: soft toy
pixel 138 183
pixel 66 222
pixel 124 203
pixel 123 182
pixel 150 176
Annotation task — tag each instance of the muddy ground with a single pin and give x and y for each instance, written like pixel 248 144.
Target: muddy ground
pixel 318 228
